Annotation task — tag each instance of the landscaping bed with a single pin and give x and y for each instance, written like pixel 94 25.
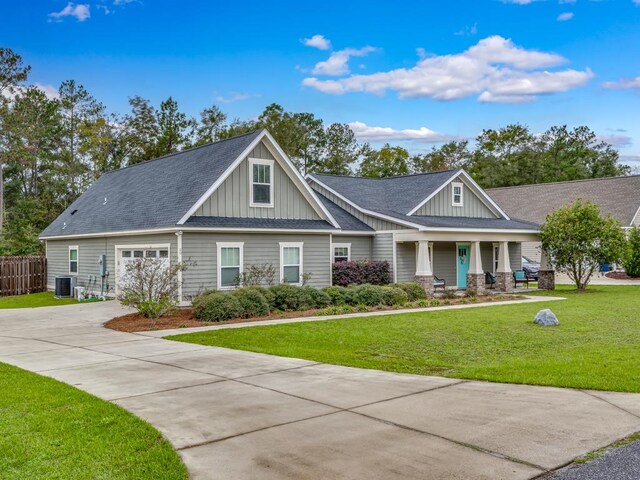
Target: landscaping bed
pixel 185 317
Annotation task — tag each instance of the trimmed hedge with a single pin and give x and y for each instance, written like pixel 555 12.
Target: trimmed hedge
pixel 337 295
pixel 359 272
pixel 216 307
pixel 252 301
pixel 414 290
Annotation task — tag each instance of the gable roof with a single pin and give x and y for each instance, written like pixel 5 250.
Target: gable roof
pixel 616 196
pixel 159 193
pixel 346 221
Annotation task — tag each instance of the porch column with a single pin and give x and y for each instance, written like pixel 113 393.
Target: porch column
pixel 424 273
pixel 475 275
pixel 504 276
pixel 546 274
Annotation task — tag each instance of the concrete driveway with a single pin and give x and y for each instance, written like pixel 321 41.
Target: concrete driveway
pixel 241 415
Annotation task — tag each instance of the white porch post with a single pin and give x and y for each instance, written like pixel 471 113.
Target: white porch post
pixel 475 275
pixel 504 278
pixel 424 273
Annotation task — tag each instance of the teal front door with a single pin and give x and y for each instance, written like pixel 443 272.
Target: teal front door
pixel 463 265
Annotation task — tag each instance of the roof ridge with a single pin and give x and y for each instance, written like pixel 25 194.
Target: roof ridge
pixel 183 151
pixel 564 182
pixel 386 178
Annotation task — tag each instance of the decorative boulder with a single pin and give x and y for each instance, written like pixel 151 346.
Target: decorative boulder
pixel 546 318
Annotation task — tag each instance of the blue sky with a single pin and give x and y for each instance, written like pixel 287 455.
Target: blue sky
pixel 414 73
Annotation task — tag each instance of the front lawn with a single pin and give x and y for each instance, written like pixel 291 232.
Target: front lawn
pixel 596 346
pixel 54 431
pixel 42 299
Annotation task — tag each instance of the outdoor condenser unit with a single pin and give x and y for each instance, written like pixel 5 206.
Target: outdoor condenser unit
pixel 65 286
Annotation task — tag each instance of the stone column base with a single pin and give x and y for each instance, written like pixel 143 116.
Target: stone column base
pixel 475 281
pixel 547 280
pixel 427 282
pixel 504 281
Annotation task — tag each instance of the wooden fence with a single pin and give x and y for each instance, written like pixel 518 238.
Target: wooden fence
pixel 20 275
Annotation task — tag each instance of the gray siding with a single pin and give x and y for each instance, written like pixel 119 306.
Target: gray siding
pixel 258 249
pixel 382 248
pixel 532 250
pixel 515 256
pixel 486 254
pixel 89 249
pixel 406 261
pixel 373 222
pixel 360 245
pixel 440 205
pixel 444 262
pixel 232 198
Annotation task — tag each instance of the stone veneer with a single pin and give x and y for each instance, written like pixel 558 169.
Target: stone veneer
pixel 504 281
pixel 427 282
pixel 475 281
pixel 547 280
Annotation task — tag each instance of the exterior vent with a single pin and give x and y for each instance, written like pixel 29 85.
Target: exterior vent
pixel 65 286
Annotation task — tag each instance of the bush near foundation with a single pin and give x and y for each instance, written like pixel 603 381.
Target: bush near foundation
pixel 252 301
pixel 359 272
pixel 632 259
pixel 216 307
pixel 414 290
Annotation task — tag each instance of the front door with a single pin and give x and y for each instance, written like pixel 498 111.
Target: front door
pixel 463 265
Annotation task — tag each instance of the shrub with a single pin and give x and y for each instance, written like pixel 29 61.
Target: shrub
pixel 266 293
pixel 288 297
pixel 394 296
pixel 450 294
pixel 471 292
pixel 435 303
pixel 632 260
pixel 257 275
pixel 361 272
pixel 217 306
pixel 414 290
pixel 252 302
pixel 369 295
pixel 336 294
pixel 315 298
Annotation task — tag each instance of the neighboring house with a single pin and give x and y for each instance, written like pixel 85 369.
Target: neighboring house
pixel 615 196
pixel 240 202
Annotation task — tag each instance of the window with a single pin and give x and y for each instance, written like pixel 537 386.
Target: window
pixel 496 256
pixel 229 264
pixel 291 263
pixel 73 260
pixel 457 194
pixel 341 252
pixel 261 182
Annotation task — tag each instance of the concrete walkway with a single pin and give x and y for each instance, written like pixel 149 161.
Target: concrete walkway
pixel 242 415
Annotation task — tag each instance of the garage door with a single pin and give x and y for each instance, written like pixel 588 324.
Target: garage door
pixel 128 255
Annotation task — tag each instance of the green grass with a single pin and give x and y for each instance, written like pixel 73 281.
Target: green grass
pixel 43 299
pixel 596 346
pixel 54 431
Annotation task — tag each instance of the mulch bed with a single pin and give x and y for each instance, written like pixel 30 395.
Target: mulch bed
pixel 183 317
pixel 619 276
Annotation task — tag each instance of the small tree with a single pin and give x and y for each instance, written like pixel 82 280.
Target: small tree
pixel 578 239
pixel 150 285
pixel 632 260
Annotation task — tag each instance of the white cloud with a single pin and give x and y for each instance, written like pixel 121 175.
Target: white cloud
pixel 318 41
pixel 468 31
pixel 495 69
pixel 367 133
pixel 81 12
pixel 624 83
pixel 50 91
pixel 519 2
pixel 235 97
pixel 338 62
pixel 563 17
pixel 618 141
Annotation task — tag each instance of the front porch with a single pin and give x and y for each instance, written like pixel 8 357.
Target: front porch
pixel 463 261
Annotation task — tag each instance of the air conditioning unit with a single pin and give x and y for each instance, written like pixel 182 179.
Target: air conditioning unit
pixel 65 286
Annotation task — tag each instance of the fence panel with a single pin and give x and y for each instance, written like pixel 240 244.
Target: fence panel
pixel 20 275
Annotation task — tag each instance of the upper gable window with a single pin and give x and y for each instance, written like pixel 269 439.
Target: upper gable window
pixel 457 194
pixel 261 182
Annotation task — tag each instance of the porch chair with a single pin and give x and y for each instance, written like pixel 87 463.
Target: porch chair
pixel 490 279
pixel 439 283
pixel 520 276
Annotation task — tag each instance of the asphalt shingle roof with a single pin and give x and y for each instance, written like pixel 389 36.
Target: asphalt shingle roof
pixel 152 194
pixel 346 221
pixel 617 196
pixel 468 222
pixel 229 222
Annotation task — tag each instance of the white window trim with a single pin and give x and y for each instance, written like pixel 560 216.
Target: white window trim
pixel 340 245
pixel 283 245
pixel 261 161
pixel 220 246
pixel 77 249
pixel 133 246
pixel 453 194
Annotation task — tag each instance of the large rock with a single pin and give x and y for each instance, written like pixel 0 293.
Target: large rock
pixel 546 318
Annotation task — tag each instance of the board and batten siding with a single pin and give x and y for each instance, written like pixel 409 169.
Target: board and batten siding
pixel 375 223
pixel 232 197
pixel 90 249
pixel 360 245
pixel 258 249
pixel 441 204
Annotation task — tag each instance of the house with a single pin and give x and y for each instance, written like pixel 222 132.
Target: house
pixel 241 202
pixel 615 196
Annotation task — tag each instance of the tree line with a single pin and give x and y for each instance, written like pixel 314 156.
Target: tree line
pixel 52 149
